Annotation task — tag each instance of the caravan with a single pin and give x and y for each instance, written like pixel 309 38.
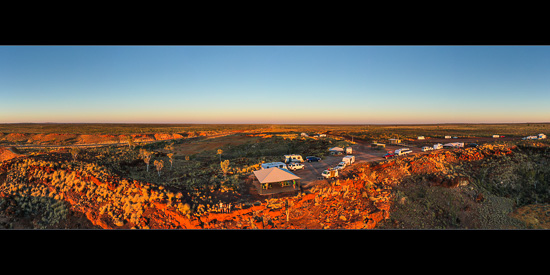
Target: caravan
pixel 293 158
pixel 348 160
pixel 274 164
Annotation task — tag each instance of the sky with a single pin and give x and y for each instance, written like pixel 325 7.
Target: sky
pixel 275 84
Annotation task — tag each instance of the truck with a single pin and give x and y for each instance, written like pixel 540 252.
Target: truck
pixel 348 159
pixel 330 174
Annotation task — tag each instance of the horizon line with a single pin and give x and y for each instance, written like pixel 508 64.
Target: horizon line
pixel 349 124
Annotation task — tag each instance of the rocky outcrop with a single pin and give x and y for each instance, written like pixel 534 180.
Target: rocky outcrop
pixel 7 153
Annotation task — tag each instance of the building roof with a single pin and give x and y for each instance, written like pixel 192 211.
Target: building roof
pixel 274 175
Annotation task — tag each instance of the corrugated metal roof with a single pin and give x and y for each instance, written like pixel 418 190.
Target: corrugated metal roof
pixel 274 175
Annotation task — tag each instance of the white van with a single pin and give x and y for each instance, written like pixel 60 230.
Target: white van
pixel 274 164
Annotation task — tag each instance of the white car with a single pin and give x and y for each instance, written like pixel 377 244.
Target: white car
pixel 295 166
pixel 340 166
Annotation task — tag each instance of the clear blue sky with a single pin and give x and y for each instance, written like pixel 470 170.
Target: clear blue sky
pixel 275 84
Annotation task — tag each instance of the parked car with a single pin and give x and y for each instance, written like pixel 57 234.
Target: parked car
pixel 340 166
pixel 312 159
pixel 473 145
pixel 295 166
pixel 388 155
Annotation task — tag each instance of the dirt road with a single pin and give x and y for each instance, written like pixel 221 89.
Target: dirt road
pixel 364 153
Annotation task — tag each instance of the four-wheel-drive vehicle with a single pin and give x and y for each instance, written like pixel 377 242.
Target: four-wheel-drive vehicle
pixel 311 159
pixel 330 174
pixel 295 166
pixel 389 155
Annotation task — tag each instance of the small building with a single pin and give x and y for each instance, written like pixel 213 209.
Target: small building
pixel 378 146
pixel 275 180
pixel 394 141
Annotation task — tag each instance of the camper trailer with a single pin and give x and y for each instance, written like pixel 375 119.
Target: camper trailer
pixel 496 136
pixel 438 146
pixel 454 145
pixel 348 159
pixel 293 158
pixel 274 164
pixel 427 148
pixel 402 151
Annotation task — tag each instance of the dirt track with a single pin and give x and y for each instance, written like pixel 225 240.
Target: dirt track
pixel 364 153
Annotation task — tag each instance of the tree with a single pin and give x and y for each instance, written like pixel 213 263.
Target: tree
pixel 74 152
pixel 225 166
pixel 220 151
pixel 130 140
pixel 159 164
pixel 170 156
pixel 146 156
